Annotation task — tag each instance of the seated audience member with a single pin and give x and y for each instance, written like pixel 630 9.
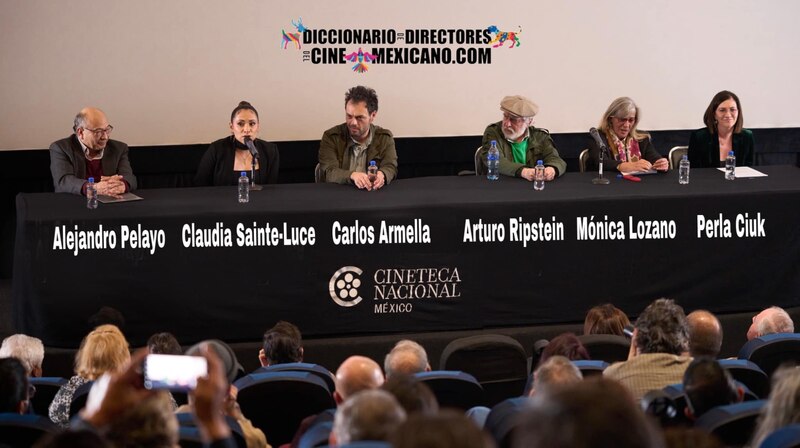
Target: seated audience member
pixel 723 132
pixel 105 349
pixel 164 344
pixel 367 415
pixel 705 334
pixel 226 158
pixel 407 357
pixel 605 319
pixel 591 413
pixel 28 350
pixel 355 374
pixel 90 153
pixel 772 320
pixel 707 385
pixel 283 344
pixel 447 429
pixel 660 339
pixel 346 150
pixel 557 371
pixel 148 423
pixel 127 411
pixel 521 144
pixel 14 387
pixel 567 345
pixel 107 315
pixel 629 148
pixel 783 405
pixel 231 368
pixel 413 395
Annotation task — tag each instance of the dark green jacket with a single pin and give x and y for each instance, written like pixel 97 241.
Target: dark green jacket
pixel 704 149
pixel 334 158
pixel 540 147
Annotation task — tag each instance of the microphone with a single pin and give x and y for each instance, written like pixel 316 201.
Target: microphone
pixel 249 142
pixel 598 140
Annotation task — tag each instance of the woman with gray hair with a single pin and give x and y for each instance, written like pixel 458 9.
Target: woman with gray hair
pixel 629 149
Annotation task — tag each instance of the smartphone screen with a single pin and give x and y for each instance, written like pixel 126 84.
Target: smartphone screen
pixel 173 372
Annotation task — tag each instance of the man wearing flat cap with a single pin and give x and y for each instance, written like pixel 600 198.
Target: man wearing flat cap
pixel 520 144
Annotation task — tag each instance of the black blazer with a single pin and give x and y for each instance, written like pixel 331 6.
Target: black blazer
pixel 704 148
pixel 216 166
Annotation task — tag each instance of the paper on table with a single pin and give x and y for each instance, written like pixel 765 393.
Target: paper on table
pixel 745 171
pixel 638 173
pixel 125 197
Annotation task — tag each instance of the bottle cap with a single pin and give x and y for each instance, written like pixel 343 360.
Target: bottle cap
pixel 371 163
pixel 91 180
pixel 730 153
pixel 684 157
pixel 539 163
pixel 244 174
pixel 494 142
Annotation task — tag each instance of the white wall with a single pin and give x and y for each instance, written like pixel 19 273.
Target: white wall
pixel 170 71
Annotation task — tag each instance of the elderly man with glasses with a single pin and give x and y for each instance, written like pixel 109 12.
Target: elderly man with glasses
pixel 90 152
pixel 521 144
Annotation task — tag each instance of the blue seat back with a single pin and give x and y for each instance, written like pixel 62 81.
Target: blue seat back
pixel 454 389
pixel 316 436
pixel 276 402
pixel 773 350
pixel 749 374
pixel 46 390
pixel 502 420
pixel 786 437
pixel 732 424
pixel 79 398
pixel 316 369
pixel 23 430
pixel 590 367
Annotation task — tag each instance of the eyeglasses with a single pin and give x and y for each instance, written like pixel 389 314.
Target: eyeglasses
pixel 630 120
pixel 513 118
pixel 100 131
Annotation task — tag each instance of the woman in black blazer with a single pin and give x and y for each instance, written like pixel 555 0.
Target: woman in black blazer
pixel 226 158
pixel 724 132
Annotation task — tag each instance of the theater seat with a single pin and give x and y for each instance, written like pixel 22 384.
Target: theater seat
pixel 316 369
pixel 502 420
pixel 186 420
pixel 316 436
pixel 773 350
pixel 46 390
pixel 276 402
pixel 786 437
pixel 590 367
pixel 498 362
pixel 23 430
pixel 606 347
pixel 79 398
pixel 732 424
pixel 454 389
pixel 749 374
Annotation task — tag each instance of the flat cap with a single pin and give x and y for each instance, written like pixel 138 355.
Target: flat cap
pixel 519 105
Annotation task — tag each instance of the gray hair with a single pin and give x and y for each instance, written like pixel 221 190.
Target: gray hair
pixel 79 122
pixel 556 371
pixel 619 108
pixel 29 350
pixel 778 321
pixel 406 357
pixel 367 415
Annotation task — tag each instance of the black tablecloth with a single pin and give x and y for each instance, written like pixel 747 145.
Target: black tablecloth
pixel 438 253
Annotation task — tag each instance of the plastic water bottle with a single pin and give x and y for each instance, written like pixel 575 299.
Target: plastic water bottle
pixel 493 162
pixel 538 176
pixel 244 188
pixel 372 171
pixel 91 195
pixel 730 167
pixel 683 170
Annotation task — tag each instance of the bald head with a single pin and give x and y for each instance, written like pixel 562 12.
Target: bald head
pixel 355 374
pixel 89 126
pixel 705 334
pixel 771 320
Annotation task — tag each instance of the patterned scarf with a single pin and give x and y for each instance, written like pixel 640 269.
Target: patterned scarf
pixel 623 151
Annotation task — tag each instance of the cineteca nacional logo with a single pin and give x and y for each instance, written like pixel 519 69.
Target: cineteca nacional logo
pixel 344 285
